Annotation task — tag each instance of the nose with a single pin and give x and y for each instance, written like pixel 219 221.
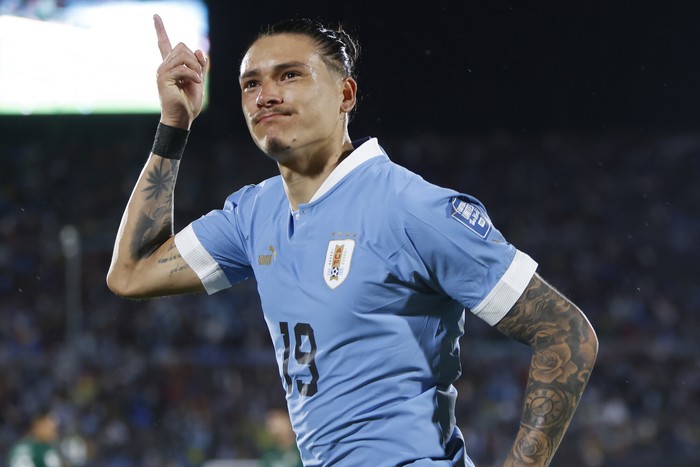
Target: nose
pixel 268 95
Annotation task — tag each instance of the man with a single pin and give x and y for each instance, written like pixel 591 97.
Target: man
pixel 278 446
pixel 36 448
pixel 364 269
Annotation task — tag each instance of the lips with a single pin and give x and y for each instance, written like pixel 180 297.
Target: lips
pixel 261 116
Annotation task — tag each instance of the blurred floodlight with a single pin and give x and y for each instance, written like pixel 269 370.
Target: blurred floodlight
pixel 90 56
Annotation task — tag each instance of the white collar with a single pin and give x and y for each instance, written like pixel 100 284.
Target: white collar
pixel 366 151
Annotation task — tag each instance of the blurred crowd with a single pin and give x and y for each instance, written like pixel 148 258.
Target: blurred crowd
pixel 610 217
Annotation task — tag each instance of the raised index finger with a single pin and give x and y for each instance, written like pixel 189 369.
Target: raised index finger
pixel 163 40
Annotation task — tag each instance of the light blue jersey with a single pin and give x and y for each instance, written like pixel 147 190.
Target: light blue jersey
pixel 364 290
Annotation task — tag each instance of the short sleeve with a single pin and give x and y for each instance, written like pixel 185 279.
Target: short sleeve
pixel 464 255
pixel 214 246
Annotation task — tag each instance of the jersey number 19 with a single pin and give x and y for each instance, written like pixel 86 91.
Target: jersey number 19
pixel 302 357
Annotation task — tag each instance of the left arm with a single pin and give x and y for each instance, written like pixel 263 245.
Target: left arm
pixel 564 349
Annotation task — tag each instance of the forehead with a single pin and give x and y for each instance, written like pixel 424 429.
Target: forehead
pixel 269 51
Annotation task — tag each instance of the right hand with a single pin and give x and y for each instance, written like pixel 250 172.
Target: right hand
pixel 180 80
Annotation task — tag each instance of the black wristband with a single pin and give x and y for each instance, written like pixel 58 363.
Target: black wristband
pixel 170 141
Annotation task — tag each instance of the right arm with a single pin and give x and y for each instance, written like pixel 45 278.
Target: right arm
pixel 145 261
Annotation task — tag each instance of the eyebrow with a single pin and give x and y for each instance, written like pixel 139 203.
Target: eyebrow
pixel 277 68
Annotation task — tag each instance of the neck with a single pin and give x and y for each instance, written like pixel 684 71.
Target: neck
pixel 304 174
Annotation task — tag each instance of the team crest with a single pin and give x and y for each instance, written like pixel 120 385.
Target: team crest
pixel 338 258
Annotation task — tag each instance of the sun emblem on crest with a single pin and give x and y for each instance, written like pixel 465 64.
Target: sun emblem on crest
pixel 338 260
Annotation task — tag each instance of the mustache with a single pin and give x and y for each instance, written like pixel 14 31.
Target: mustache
pixel 262 113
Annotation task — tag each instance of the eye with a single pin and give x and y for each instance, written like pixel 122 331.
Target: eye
pixel 250 84
pixel 290 75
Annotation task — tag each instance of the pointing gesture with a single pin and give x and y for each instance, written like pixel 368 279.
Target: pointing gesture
pixel 180 80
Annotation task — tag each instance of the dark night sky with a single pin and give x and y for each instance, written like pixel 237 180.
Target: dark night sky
pixel 467 66
pixel 451 66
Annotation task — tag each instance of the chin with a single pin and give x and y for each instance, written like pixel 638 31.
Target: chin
pixel 275 148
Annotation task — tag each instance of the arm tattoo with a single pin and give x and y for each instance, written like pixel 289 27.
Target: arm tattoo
pixel 161 180
pixel 171 255
pixel 155 222
pixel 565 347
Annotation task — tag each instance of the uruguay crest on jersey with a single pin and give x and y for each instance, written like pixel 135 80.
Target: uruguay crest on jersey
pixel 338 259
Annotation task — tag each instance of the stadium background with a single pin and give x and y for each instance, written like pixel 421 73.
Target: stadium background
pixel 576 125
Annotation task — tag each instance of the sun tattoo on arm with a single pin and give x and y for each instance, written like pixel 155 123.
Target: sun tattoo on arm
pixel 160 180
pixel 154 224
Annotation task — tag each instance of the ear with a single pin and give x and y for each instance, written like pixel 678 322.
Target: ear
pixel 349 95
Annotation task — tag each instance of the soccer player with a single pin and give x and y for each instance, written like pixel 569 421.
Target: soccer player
pixel 36 448
pixel 278 447
pixel 363 268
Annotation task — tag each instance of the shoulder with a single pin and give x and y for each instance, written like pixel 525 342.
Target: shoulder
pixel 242 207
pixel 381 176
pixel 421 200
pixel 267 191
pixel 422 206
pixel 411 199
pixel 417 198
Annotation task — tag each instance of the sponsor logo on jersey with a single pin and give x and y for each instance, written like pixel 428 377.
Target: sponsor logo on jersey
pixel 266 260
pixel 471 216
pixel 338 259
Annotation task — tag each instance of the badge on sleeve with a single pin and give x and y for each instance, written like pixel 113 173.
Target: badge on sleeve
pixel 338 258
pixel 471 216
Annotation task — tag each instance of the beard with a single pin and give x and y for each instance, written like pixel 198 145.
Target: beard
pixel 275 148
pixel 283 152
pixel 274 145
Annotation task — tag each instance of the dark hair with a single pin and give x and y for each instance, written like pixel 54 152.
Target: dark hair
pixel 338 50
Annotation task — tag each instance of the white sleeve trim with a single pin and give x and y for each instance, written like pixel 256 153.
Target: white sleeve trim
pixel 201 262
pixel 506 292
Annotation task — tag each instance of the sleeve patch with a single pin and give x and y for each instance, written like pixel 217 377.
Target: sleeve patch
pixel 471 216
